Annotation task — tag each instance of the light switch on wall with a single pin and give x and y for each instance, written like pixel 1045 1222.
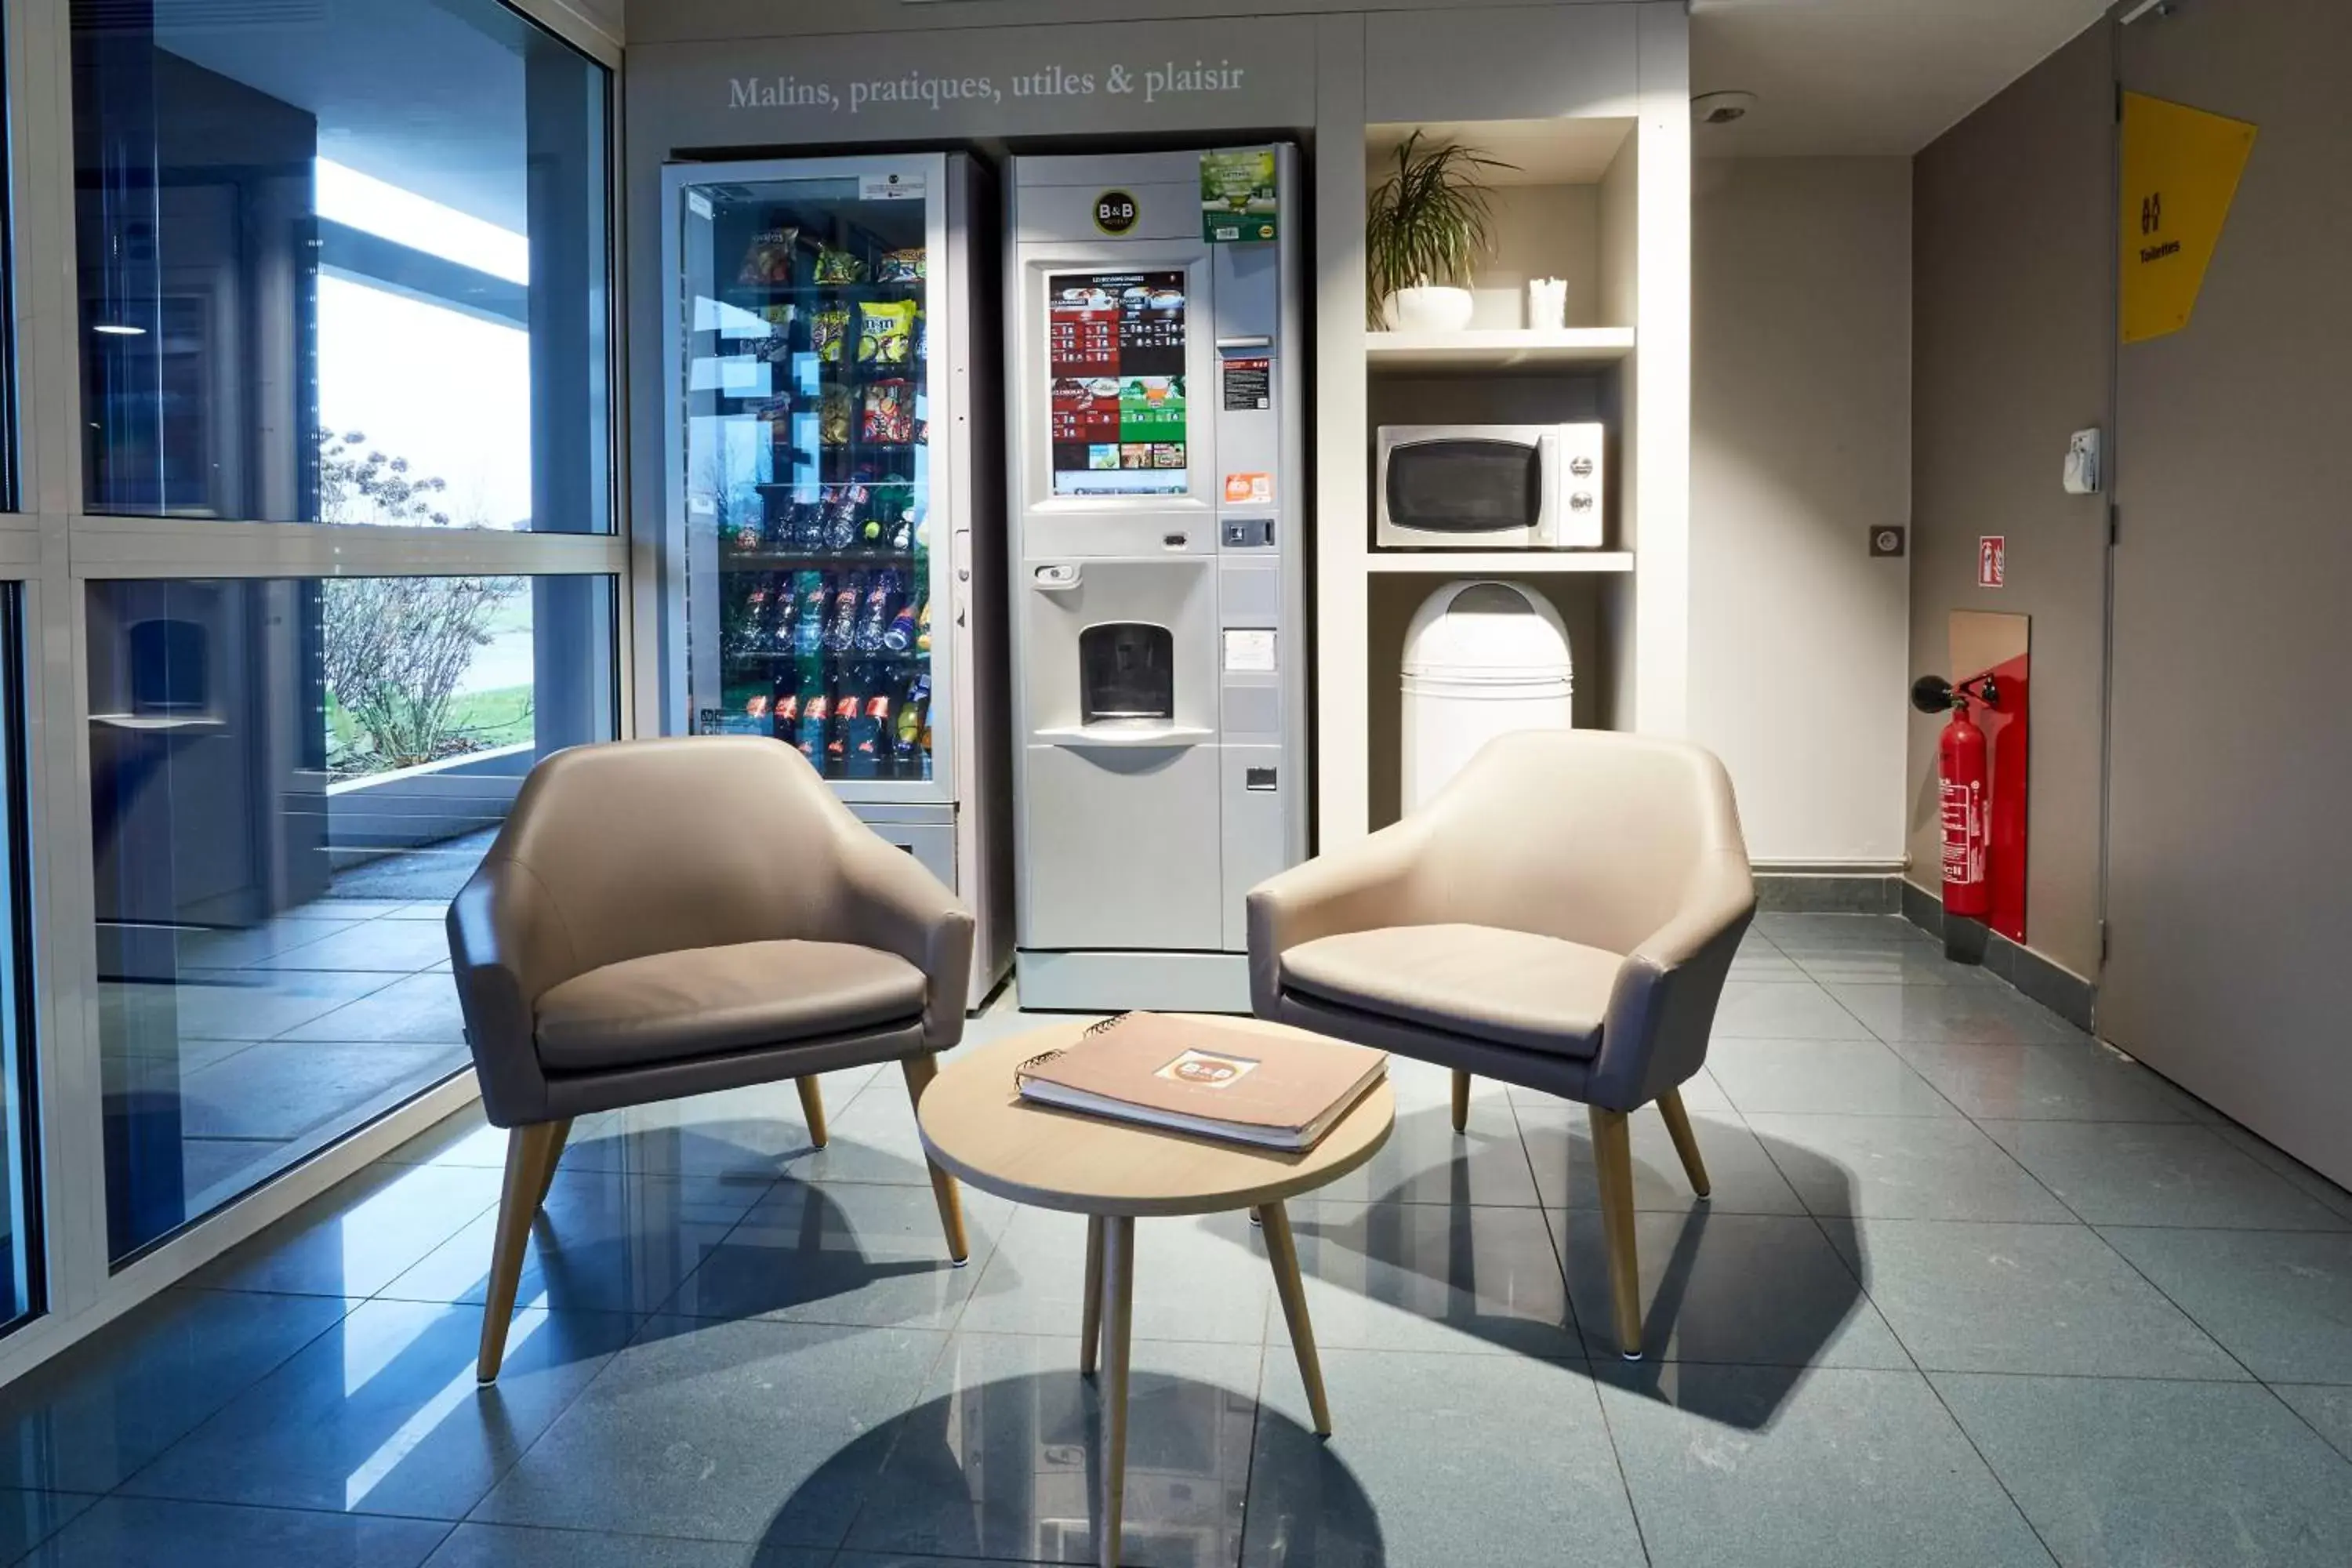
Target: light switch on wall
pixel 2083 463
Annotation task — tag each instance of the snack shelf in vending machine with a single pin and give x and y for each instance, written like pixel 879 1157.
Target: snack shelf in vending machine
pixel 822 460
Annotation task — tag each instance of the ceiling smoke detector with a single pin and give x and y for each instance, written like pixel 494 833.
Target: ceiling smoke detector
pixel 1720 107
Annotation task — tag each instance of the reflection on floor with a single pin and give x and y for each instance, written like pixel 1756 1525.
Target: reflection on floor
pixel 1972 1290
pixel 280 1037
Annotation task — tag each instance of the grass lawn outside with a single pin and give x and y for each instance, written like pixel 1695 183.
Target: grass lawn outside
pixel 501 716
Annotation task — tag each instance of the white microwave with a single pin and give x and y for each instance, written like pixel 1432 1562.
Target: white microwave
pixel 1490 487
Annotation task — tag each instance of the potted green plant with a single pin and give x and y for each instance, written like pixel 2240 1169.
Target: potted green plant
pixel 1426 220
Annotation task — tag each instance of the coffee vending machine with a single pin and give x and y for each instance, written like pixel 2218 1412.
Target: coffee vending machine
pixel 1157 380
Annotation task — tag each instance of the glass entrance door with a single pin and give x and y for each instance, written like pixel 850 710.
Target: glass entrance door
pixel 809 366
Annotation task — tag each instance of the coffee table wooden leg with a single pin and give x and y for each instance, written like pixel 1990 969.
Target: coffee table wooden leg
pixel 1090 1335
pixel 1282 1251
pixel 1118 1316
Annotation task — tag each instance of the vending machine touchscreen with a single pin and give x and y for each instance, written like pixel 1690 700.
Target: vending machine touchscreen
pixel 1117 356
pixel 1157 565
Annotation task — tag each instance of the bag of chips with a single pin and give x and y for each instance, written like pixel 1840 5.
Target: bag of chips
pixel 778 342
pixel 886 332
pixel 901 266
pixel 769 258
pixel 832 415
pixel 890 412
pixel 827 328
pixel 838 267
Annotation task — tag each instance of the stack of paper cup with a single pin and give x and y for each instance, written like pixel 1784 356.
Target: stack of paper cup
pixel 1546 303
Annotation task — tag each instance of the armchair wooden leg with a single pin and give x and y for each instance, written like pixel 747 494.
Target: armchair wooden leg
pixel 1678 1128
pixel 531 1163
pixel 812 1107
pixel 1461 1100
pixel 1613 1155
pixel 921 1071
pixel 562 1134
pixel 1090 1331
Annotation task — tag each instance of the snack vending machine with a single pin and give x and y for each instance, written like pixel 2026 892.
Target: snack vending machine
pixel 1158 502
pixel 831 571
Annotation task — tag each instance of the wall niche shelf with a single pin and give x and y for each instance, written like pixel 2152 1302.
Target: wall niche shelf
pixel 1499 563
pixel 1498 349
pixel 1590 108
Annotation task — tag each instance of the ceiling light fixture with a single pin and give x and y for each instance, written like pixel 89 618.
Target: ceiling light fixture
pixel 119 330
pixel 1721 107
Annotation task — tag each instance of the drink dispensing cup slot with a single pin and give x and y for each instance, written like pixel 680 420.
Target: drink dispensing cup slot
pixel 1127 673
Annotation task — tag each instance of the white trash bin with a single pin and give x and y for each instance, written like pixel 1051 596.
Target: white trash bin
pixel 1481 659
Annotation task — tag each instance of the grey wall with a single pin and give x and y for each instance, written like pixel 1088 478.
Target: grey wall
pixel 2230 856
pixel 1801 444
pixel 2012 325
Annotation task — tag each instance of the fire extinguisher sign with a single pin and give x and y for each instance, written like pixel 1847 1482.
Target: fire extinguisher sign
pixel 1992 561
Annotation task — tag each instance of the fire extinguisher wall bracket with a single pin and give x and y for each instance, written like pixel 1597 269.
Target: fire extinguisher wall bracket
pixel 1934 694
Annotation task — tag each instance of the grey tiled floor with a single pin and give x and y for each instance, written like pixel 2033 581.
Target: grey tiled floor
pixel 282 1037
pixel 1973 1290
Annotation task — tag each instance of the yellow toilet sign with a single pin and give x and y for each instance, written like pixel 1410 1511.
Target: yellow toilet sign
pixel 2181 172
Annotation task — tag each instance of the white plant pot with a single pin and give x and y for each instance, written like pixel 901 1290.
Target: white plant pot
pixel 1428 309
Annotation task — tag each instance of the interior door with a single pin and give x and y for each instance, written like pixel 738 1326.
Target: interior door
pixel 2229 862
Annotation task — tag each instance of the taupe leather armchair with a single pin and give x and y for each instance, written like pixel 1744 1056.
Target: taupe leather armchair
pixel 1561 916
pixel 665 917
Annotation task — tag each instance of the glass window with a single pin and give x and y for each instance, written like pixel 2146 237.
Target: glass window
pixel 350 267
pixel 20 1268
pixel 289 779
pixel 8 499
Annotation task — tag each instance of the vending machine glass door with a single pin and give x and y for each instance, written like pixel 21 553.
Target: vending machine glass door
pixel 808 463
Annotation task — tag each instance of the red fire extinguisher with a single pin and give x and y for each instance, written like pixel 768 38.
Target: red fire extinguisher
pixel 1967 815
pixel 1962 775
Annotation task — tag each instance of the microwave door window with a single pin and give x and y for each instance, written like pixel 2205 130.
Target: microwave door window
pixel 1467 487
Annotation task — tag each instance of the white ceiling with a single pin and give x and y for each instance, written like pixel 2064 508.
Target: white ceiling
pixel 1853 76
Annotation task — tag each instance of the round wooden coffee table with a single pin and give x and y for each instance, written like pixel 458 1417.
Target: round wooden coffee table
pixel 976 1125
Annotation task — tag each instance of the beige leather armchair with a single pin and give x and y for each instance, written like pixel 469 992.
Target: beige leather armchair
pixel 665 918
pixel 1561 917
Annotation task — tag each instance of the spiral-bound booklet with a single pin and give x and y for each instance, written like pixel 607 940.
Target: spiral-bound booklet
pixel 1279 1089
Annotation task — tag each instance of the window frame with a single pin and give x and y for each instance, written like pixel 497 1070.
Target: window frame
pixel 16 913
pixel 50 549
